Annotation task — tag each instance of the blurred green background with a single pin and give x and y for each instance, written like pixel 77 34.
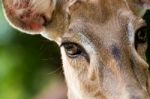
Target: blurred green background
pixel 29 64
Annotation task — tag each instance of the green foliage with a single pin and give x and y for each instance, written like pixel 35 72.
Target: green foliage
pixel 26 63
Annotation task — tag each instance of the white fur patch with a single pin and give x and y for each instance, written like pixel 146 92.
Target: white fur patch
pixel 71 76
pixel 131 32
pixel 46 35
pixel 90 49
pixel 87 44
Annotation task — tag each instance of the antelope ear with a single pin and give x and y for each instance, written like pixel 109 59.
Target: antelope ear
pixel 139 7
pixel 34 16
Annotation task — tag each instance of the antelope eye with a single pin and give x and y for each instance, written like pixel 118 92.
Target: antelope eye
pixel 72 50
pixel 141 35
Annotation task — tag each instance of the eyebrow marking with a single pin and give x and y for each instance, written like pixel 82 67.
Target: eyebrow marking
pixel 115 51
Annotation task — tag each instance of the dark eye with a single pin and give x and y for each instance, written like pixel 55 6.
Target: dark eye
pixel 141 35
pixel 73 50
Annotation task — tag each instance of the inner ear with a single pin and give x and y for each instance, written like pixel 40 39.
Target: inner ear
pixel 29 16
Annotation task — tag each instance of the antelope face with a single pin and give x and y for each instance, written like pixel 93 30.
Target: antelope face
pixel 103 43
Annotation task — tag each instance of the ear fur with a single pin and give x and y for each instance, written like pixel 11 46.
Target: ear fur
pixel 45 17
pixel 29 16
pixel 139 7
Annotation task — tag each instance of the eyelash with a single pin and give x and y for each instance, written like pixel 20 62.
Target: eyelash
pixel 79 50
pixel 141 35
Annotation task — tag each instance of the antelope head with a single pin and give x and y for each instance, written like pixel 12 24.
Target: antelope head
pixel 103 43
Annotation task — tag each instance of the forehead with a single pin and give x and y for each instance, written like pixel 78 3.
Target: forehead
pixel 111 19
pixel 97 10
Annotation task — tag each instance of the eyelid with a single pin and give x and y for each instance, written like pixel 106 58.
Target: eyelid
pixel 141 25
pixel 84 53
pixel 68 40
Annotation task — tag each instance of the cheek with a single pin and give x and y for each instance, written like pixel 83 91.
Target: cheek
pixel 70 76
pixel 79 63
pixel 81 73
pixel 79 66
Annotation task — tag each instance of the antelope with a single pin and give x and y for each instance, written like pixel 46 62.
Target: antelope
pixel 102 42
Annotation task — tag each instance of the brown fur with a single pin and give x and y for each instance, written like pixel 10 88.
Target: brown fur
pixel 115 70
